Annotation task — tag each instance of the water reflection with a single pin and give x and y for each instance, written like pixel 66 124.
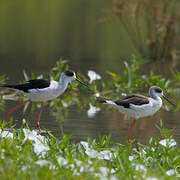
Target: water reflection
pixel 92 111
pixel 33 38
pixel 76 113
pixel 74 120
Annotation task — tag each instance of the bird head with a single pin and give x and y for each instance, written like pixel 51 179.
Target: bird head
pixel 70 75
pixel 156 92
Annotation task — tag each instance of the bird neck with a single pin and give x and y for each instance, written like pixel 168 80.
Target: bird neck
pixel 158 101
pixel 63 83
pixel 156 97
pixel 153 95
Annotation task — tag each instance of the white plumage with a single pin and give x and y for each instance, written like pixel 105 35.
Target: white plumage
pixel 53 91
pixel 138 106
pixel 40 90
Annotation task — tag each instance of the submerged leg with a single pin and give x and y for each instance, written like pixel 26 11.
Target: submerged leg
pixel 131 130
pixel 13 109
pixel 39 116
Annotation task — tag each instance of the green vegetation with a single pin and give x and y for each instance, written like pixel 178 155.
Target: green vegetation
pixel 26 155
pixel 131 80
pixel 112 86
pixel 150 25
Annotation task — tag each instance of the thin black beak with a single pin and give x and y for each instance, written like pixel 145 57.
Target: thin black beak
pixel 83 83
pixel 168 101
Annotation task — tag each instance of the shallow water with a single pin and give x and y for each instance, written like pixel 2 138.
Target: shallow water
pixel 106 121
pixel 33 38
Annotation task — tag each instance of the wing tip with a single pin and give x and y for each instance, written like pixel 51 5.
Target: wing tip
pixel 122 103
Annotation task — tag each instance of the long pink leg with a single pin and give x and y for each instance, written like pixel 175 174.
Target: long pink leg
pixel 13 109
pixel 38 119
pixel 131 130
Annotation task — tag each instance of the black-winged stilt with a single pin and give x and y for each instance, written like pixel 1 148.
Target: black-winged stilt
pixel 138 106
pixel 41 90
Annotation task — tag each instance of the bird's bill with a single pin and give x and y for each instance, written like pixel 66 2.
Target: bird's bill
pixel 168 101
pixel 82 83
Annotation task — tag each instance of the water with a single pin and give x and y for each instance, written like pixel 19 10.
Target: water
pixel 34 35
pixel 106 121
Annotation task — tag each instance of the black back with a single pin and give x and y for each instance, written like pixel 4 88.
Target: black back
pixel 135 99
pixel 32 84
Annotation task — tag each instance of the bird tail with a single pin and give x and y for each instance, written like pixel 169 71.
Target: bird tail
pixel 104 101
pixel 8 86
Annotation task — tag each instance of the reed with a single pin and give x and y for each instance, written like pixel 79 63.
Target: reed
pixel 151 25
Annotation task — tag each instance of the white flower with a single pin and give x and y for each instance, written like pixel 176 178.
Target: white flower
pixel 64 104
pixel 61 161
pixel 6 134
pixel 97 94
pixel 140 167
pixel 90 152
pixel 93 76
pixel 78 162
pixel 131 158
pixel 152 178
pixel 2 153
pixel 42 162
pixel 84 144
pixel 113 178
pixel 106 154
pixel 39 142
pixel 72 166
pixel 104 170
pixel 170 172
pixel 168 142
pixel 103 174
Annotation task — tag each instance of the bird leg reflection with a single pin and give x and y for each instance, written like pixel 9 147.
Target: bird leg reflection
pixel 131 130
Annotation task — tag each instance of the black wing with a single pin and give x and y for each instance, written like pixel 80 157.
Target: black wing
pixel 135 99
pixel 32 84
pixel 133 96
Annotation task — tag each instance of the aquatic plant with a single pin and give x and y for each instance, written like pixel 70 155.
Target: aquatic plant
pixel 131 80
pixel 150 25
pixel 113 85
pixel 24 154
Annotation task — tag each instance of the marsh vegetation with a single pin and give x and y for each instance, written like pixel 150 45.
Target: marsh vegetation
pixel 118 47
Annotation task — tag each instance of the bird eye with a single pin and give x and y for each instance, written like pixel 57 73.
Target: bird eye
pixel 158 90
pixel 69 73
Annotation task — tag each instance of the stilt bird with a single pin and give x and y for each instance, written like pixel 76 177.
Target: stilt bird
pixel 138 106
pixel 41 90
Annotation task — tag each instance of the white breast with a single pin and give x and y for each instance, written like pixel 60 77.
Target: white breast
pixel 138 111
pixel 148 109
pixel 46 94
